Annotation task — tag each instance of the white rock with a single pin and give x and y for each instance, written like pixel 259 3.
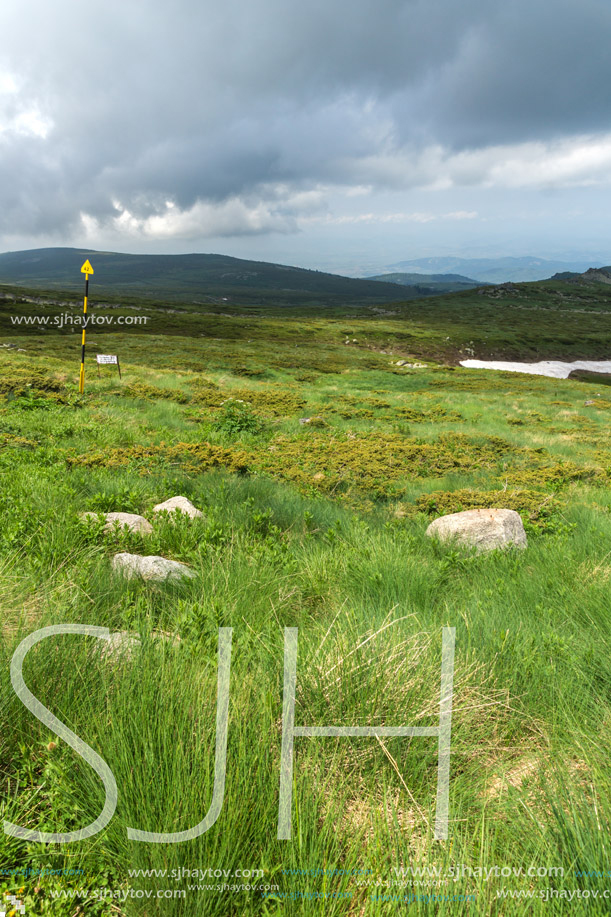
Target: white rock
pixel 178 503
pixel 485 529
pixel 122 643
pixel 133 522
pixel 152 567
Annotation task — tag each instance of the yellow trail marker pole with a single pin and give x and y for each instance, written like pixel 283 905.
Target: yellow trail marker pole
pixel 86 270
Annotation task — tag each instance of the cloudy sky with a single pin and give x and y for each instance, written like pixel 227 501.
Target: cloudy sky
pixel 339 134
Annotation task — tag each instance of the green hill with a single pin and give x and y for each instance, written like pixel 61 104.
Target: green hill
pixel 190 278
pixel 552 319
pixel 592 275
pixel 431 284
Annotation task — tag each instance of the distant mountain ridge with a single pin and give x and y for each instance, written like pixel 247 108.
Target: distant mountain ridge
pixel 195 278
pixel 592 275
pixel 495 270
pixel 202 279
pixel 431 284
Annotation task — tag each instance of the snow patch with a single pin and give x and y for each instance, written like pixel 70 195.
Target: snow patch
pixel 553 368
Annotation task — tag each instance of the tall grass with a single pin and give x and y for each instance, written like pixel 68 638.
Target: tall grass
pixel 370 594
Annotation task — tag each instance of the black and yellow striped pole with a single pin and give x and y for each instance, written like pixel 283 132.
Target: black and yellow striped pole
pixel 86 270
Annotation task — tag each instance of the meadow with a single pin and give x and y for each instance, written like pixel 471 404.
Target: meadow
pixel 318 463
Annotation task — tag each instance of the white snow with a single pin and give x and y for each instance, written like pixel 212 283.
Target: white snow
pixel 554 368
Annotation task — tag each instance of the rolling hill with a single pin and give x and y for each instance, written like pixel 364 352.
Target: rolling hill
pixel 431 284
pixel 592 275
pixel 194 278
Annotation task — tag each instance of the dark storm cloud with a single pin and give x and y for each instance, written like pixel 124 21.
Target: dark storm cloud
pixel 523 71
pixel 113 108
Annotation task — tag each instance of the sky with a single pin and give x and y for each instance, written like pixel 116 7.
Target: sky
pixel 342 135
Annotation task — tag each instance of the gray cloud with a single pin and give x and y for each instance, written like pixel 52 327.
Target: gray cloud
pixel 524 71
pixel 137 113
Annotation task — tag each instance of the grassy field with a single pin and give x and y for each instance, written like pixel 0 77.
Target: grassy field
pixel 318 465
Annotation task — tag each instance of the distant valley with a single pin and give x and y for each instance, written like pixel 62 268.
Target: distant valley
pixel 493 270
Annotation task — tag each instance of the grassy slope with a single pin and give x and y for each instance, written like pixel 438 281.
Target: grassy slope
pixel 434 284
pixel 319 526
pixel 530 321
pixel 190 278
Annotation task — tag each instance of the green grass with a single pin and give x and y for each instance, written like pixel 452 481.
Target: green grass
pixel 319 526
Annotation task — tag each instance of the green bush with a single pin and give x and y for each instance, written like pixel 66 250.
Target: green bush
pixel 236 416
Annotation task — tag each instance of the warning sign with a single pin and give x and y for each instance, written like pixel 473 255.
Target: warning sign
pixel 105 359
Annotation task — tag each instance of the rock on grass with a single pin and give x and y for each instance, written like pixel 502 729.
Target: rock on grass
pixel 483 529
pixel 122 643
pixel 182 504
pixel 133 522
pixel 152 567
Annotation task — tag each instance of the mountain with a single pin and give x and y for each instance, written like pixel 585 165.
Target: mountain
pixel 430 284
pixel 194 278
pixel 592 275
pixel 495 270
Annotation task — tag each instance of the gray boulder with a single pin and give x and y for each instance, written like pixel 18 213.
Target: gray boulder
pixel 133 522
pixel 152 567
pixel 178 503
pixel 122 643
pixel 484 529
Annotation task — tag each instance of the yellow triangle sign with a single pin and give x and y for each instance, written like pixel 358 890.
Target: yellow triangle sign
pixel 86 268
